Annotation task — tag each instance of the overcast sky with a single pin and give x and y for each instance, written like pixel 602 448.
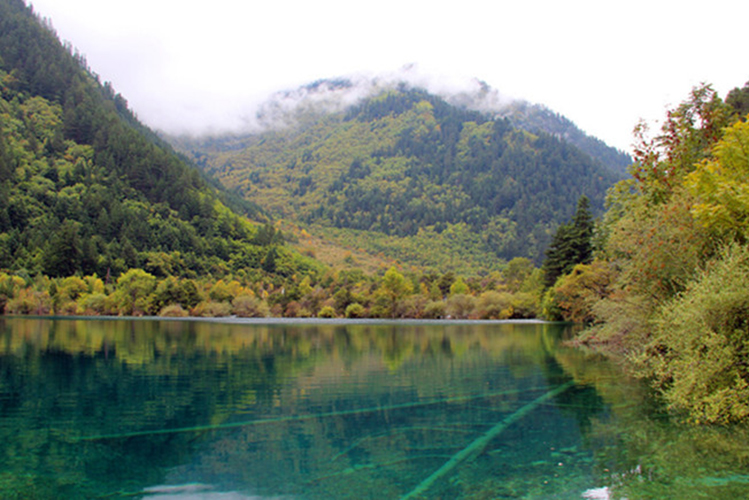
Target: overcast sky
pixel 185 65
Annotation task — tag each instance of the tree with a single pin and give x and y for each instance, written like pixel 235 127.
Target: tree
pixel 517 271
pixel 394 287
pixel 686 138
pixel 133 289
pixel 571 244
pixel 738 99
pixel 721 187
pixel 62 255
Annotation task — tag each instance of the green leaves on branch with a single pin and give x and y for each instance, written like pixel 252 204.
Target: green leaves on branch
pixel 721 186
pixel 698 352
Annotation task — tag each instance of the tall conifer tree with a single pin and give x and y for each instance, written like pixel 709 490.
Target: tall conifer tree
pixel 571 244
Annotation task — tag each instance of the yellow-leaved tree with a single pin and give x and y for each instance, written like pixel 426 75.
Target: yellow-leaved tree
pixel 721 186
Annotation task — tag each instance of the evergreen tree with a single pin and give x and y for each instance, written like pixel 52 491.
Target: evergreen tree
pixel 571 244
pixel 738 99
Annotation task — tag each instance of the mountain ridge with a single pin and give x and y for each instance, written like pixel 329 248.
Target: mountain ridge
pixel 291 107
pixel 405 163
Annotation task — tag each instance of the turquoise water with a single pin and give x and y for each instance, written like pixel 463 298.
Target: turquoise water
pixel 240 410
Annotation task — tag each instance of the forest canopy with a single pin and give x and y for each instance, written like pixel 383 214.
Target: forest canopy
pixel 85 188
pixel 405 165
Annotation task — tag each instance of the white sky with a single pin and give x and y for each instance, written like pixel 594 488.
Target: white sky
pixel 188 65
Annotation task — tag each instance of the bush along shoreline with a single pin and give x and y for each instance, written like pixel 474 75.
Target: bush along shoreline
pixel 514 293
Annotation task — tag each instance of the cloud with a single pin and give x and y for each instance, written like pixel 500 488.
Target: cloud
pixel 286 108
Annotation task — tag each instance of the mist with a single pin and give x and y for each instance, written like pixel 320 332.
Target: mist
pixel 197 68
pixel 226 114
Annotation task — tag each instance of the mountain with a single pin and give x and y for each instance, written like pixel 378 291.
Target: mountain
pixel 85 188
pixel 405 173
pixel 538 118
pixel 289 107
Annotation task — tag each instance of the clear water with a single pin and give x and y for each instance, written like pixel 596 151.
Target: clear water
pixel 177 410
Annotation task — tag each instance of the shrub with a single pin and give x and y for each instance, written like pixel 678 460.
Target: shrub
pixel 413 306
pixel 434 310
pixel 494 305
pixel 95 304
pixel 29 301
pixel 460 306
pixel 67 308
pixel 326 312
pixel 576 293
pixel 211 309
pixel 173 311
pixel 525 305
pixel 698 353
pixel 249 306
pixel 355 311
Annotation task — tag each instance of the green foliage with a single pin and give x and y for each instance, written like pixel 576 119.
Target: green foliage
pixel 355 311
pixel 326 312
pixel 575 295
pixel 495 305
pixel 571 244
pixel 405 162
pixel 517 273
pixel 174 292
pixel 672 289
pixel 249 306
pixel 456 248
pixel 209 309
pixel 85 188
pixel 738 99
pixel 686 138
pixel 460 306
pixel 133 290
pixel 459 287
pixel 698 353
pixel 721 186
pixel 393 289
pixel 173 311
pixel 535 117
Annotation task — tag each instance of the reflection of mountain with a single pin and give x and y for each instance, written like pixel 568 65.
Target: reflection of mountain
pixel 328 410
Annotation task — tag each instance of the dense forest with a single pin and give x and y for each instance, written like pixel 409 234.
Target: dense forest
pixel 408 166
pixel 98 216
pixel 86 189
pixel 669 285
pixel 537 118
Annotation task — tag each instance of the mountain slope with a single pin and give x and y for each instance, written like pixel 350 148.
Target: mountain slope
pixel 85 188
pixel 406 164
pixel 536 118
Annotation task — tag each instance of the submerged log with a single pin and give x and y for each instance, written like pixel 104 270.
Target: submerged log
pixel 473 450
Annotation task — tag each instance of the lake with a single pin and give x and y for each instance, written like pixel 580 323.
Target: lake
pixel 232 410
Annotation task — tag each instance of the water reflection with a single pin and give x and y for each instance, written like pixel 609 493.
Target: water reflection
pixel 159 409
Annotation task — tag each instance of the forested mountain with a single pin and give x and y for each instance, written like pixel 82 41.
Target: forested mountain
pixel 535 118
pixel 407 165
pixel 85 188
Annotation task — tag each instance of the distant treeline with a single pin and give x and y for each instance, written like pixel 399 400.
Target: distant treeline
pixel 514 293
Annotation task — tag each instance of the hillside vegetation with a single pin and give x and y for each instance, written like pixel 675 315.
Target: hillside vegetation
pixel 100 217
pixel 670 284
pixel 86 189
pixel 408 168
